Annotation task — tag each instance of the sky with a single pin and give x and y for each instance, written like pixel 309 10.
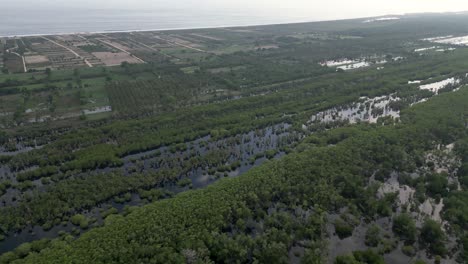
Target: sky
pixel 307 9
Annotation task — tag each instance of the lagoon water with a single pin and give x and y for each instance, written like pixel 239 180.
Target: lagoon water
pixel 37 21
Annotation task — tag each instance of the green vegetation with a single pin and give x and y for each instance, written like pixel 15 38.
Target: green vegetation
pixel 433 237
pixel 361 257
pixel 405 228
pixel 207 216
pixel 373 236
pixel 79 220
pixel 121 157
pixel 343 229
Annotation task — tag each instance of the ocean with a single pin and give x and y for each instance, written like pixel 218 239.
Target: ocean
pixel 20 22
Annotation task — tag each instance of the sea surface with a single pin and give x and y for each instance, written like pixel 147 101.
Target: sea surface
pixel 20 22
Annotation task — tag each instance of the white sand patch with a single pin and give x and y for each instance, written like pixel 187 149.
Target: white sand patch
pixel 350 64
pixel 431 209
pixel 354 66
pixel 425 49
pixel 435 87
pixel 460 41
pixel 381 19
pixel 270 46
pixel 420 101
pixel 405 193
pixel 98 110
pixel 334 63
pixel 449 148
pixel 443 50
pixel 438 38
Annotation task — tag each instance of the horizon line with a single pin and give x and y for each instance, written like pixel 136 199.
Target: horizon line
pixel 216 27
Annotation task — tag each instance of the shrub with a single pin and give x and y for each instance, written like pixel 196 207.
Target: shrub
pixel 343 229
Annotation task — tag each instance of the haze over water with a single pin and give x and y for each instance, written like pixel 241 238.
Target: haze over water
pixel 31 22
pixel 28 17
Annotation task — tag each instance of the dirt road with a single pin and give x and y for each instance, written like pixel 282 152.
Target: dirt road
pixel 72 51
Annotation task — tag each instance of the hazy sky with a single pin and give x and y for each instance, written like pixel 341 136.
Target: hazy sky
pixel 313 9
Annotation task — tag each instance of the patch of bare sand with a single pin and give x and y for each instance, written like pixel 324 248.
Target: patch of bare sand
pixel 34 59
pixel 112 59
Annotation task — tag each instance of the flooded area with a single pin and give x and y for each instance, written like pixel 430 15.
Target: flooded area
pixel 45 118
pixel 98 110
pixel 346 64
pixel 231 157
pixel 434 48
pixel 426 49
pixel 225 157
pixel 447 49
pixel 435 87
pixel 334 63
pixel 18 150
pixel 460 40
pixel 371 109
pixel 354 66
pixel 365 110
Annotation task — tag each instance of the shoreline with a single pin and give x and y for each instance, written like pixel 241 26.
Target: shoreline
pixel 298 21
pixel 157 29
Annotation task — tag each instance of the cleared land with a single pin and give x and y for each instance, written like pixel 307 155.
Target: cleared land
pixel 113 59
pixel 33 59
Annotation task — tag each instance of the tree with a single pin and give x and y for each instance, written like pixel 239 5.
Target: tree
pixel 76 73
pixel 343 229
pixel 23 250
pixel 437 184
pixel 360 257
pixel 369 257
pixel 80 220
pixel 124 64
pixel 348 259
pixel 3 137
pixel 433 238
pixel 405 228
pixel 272 252
pixel 373 236
pixel 48 72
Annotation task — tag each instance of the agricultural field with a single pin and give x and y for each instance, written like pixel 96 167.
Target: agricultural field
pixel 331 142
